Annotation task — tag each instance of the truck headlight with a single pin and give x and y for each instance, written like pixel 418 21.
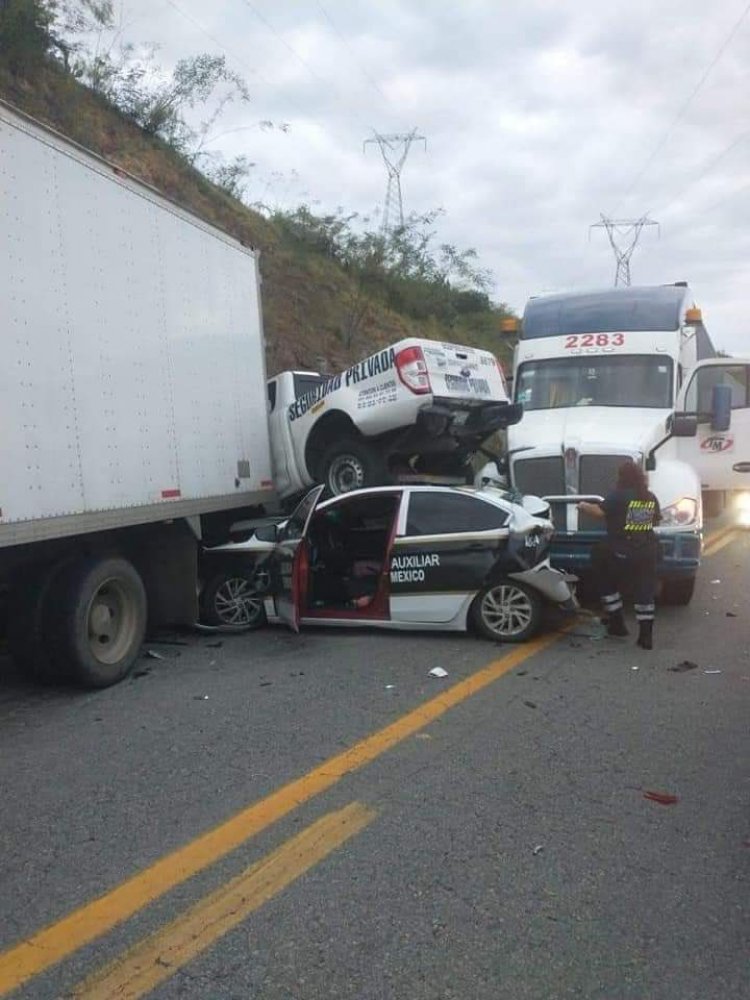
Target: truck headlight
pixel 680 513
pixel 742 506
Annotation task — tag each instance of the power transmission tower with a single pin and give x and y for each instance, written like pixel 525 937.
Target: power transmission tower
pixel 394 149
pixel 623 238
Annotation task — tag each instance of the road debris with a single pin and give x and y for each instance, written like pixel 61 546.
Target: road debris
pixel 663 798
pixel 731 614
pixel 712 671
pixel 635 668
pixel 538 849
pixel 716 581
pixel 530 704
pixel 438 672
pixel 215 645
pixel 151 654
pixel 200 697
pixel 390 687
pixel 683 666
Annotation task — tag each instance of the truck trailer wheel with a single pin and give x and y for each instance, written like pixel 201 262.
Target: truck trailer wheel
pixel 678 592
pixel 99 620
pixel 351 464
pixel 29 612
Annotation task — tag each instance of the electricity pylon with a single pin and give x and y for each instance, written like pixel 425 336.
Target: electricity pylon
pixel 623 238
pixel 394 149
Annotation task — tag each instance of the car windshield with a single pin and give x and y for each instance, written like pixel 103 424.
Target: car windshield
pixel 631 380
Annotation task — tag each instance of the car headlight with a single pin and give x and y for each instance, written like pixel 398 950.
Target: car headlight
pixel 680 513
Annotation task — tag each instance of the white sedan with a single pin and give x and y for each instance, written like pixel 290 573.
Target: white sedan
pixel 403 557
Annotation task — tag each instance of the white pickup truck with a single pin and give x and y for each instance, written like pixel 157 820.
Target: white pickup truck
pixel 419 408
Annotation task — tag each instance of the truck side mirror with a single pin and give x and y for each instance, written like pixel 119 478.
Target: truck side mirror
pixel 511 414
pixel 684 425
pixel 721 408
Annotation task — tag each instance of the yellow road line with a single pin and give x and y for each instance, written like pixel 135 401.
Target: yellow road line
pixel 38 952
pixel 709 540
pixel 160 955
pixel 718 544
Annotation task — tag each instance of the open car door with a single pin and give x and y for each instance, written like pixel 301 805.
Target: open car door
pixel 287 558
pixel 720 453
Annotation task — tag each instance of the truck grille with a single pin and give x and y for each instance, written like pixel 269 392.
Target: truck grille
pixel 546 476
pixel 598 473
pixel 542 477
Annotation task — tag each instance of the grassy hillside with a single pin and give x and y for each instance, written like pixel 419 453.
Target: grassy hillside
pixel 316 314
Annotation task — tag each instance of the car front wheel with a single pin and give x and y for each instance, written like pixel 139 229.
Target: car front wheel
pixel 507 611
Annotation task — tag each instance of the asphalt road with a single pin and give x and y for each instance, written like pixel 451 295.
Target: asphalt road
pixel 380 833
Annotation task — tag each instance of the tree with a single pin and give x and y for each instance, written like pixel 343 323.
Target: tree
pixel 24 34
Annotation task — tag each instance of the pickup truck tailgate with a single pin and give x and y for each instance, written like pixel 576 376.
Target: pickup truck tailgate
pixel 463 373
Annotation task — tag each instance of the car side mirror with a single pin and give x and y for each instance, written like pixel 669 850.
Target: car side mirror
pixel 684 425
pixel 721 408
pixel 267 533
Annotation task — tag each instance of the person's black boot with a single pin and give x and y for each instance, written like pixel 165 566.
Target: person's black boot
pixel 616 623
pixel 645 635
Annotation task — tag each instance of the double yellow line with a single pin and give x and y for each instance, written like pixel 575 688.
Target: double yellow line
pixel 58 941
pixel 716 541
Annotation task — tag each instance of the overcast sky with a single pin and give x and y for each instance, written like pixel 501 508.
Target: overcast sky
pixel 538 114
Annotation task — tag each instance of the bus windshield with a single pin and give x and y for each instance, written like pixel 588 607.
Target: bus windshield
pixel 625 380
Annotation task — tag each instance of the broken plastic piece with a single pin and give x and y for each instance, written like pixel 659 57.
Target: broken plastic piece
pixel 663 798
pixel 712 671
pixel 683 666
pixel 153 655
pixel 389 687
pixel 538 849
pixel 438 672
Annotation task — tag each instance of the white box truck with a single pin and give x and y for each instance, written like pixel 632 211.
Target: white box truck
pixel 629 373
pixel 133 412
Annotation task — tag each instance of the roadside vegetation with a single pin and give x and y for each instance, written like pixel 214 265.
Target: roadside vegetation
pixel 335 287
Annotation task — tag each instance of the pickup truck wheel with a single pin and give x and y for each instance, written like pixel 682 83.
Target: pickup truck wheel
pixel 99 620
pixel 351 464
pixel 678 593
pixel 507 611
pixel 232 599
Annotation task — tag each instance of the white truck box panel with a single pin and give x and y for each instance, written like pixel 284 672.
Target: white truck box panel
pixel 133 369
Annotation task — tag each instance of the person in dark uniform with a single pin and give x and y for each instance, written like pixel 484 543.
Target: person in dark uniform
pixel 631 512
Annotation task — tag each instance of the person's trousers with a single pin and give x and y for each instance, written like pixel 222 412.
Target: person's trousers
pixel 627 566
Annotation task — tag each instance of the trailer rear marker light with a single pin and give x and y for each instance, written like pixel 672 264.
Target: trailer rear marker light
pixel 170 494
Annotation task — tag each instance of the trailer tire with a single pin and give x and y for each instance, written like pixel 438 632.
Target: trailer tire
pixel 29 611
pixel 678 592
pixel 99 620
pixel 351 464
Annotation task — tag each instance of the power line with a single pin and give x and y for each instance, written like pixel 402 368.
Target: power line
pixel 370 79
pixel 682 110
pixel 300 59
pixel 623 237
pixel 238 60
pixel 706 169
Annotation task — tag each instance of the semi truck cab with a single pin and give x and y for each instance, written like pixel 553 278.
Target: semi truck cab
pixel 601 377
